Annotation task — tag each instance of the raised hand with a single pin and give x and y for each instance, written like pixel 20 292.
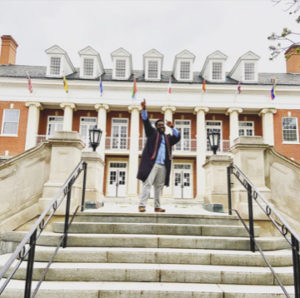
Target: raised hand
pixel 169 123
pixel 143 104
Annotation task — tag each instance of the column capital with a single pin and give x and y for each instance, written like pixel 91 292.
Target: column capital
pixel 267 110
pixel 68 104
pixel 34 103
pixel 100 106
pixel 131 108
pixel 170 108
pixel 231 110
pixel 200 108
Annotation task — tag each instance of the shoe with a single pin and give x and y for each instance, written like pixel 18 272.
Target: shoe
pixel 159 210
pixel 142 209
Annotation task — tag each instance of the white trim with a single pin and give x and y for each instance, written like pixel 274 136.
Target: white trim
pixel 47 127
pixel 297 131
pixel 2 127
pixel 252 127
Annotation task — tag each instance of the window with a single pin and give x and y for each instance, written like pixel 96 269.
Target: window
pixel 119 133
pixel 184 127
pixel 184 70
pixel 88 67
pixel 290 129
pixel 153 69
pixel 120 68
pixel 55 66
pixel 217 70
pixel 249 71
pixel 214 126
pixel 246 128
pixel 55 123
pixel 86 123
pixel 10 122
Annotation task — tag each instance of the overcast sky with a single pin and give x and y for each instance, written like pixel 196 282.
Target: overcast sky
pixel 201 26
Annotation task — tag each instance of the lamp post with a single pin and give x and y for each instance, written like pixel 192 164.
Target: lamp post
pixel 95 137
pixel 214 140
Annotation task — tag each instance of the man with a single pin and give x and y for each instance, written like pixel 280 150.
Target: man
pixel 155 164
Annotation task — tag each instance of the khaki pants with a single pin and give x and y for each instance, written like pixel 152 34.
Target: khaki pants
pixel 157 179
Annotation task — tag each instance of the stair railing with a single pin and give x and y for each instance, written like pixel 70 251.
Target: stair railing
pixel 269 210
pixel 26 249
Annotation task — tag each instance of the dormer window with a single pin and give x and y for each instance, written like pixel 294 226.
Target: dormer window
pixel 152 69
pixel 185 68
pixel 120 68
pixel 55 65
pixel 88 67
pixel 249 71
pixel 217 71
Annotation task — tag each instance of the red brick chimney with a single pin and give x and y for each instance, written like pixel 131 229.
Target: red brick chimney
pixel 292 55
pixel 8 50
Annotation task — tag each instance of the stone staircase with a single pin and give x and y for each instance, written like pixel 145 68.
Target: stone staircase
pixel 155 255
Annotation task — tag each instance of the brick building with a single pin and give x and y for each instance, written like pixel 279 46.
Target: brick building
pixel 27 118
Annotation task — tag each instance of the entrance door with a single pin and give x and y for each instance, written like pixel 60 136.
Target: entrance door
pixel 183 186
pixel 117 181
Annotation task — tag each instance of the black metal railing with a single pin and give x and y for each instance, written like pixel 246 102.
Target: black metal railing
pixel 269 210
pixel 26 249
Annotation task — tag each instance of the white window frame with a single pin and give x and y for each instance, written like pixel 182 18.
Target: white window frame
pixel 297 131
pixel 89 126
pixel 50 66
pixel 245 128
pixel 3 122
pixel 184 71
pixel 55 123
pixel 215 127
pixel 85 68
pixel 120 138
pixel 221 72
pixel 149 70
pixel 254 72
pixel 183 144
pixel 118 69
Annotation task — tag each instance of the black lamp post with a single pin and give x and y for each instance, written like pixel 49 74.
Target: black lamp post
pixel 95 137
pixel 214 140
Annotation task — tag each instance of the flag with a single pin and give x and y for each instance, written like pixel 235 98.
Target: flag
pixel 204 86
pixel 29 82
pixel 134 89
pixel 169 89
pixel 239 88
pixel 273 92
pixel 65 84
pixel 101 87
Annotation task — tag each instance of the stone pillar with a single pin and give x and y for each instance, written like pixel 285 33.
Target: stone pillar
pixel 66 149
pixel 268 125
pixel 133 150
pixel 168 116
pixel 68 115
pixel 32 123
pixel 102 110
pixel 233 124
pixel 94 179
pixel 201 149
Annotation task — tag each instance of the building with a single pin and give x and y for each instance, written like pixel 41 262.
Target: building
pixel 234 103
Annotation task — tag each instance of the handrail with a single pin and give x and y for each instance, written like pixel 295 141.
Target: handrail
pixel 32 236
pixel 284 228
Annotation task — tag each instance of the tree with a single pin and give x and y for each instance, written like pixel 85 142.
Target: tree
pixel 287 38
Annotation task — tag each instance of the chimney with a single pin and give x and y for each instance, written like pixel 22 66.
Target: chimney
pixel 292 57
pixel 8 50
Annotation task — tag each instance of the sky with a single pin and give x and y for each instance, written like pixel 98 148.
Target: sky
pixel 233 27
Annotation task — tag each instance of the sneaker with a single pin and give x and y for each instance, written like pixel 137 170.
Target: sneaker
pixel 142 209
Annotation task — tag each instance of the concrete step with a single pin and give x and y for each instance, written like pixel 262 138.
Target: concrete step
pixel 152 241
pixel 163 256
pixel 152 217
pixel 179 273
pixel 155 228
pixel 145 290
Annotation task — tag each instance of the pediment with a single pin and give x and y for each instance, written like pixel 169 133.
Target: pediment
pixel 153 54
pixel 120 52
pixel 88 51
pixel 249 56
pixel 186 55
pixel 217 55
pixel 55 50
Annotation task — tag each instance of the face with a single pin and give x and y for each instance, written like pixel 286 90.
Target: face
pixel 161 127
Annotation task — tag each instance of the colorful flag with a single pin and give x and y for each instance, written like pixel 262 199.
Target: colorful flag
pixel 29 82
pixel 273 92
pixel 239 88
pixel 169 89
pixel 204 86
pixel 101 87
pixel 65 84
pixel 134 89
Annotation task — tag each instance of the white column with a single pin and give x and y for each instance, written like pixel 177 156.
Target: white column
pixel 201 150
pixel 102 110
pixel 233 124
pixel 133 150
pixel 68 115
pixel 32 123
pixel 268 125
pixel 168 116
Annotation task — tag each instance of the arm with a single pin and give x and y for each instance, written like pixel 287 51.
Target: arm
pixel 175 138
pixel 147 124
